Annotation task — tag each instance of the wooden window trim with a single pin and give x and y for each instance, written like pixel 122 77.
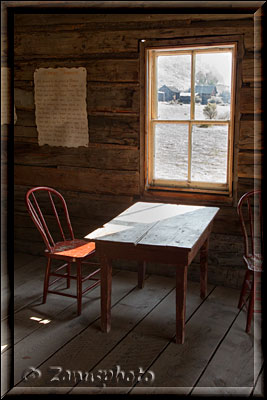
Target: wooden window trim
pixel 153 183
pixel 181 194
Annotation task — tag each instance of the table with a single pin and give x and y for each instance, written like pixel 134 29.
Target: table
pixel 155 232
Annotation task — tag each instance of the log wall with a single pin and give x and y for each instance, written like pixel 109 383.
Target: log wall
pixel 103 179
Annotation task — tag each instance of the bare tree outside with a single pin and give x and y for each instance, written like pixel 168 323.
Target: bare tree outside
pixel 210 111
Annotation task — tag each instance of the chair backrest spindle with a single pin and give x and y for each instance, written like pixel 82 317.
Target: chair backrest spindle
pixel 38 223
pixel 56 215
pixel 252 225
pixel 43 223
pixel 38 217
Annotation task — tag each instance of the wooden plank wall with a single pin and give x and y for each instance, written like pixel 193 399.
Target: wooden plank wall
pixel 103 179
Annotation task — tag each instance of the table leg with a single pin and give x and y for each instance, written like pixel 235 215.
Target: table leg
pixel 141 273
pixel 106 279
pixel 204 268
pixel 181 286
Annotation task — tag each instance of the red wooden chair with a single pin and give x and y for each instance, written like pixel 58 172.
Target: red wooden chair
pixel 249 209
pixel 68 249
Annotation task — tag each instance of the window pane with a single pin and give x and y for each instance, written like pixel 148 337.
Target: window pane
pixel 173 87
pixel 171 151
pixel 213 85
pixel 209 153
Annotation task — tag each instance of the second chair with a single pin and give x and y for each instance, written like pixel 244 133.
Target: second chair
pixel 250 213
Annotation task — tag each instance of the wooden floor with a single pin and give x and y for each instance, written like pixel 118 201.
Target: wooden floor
pixel 218 357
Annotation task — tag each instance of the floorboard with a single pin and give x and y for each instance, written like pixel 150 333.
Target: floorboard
pixel 21 259
pixel 28 279
pixel 41 344
pixel 217 358
pixel 181 366
pixel 224 370
pixel 258 389
pixel 89 347
pixel 23 324
pixel 145 342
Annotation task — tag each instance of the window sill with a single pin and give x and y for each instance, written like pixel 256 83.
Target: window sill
pixel 195 198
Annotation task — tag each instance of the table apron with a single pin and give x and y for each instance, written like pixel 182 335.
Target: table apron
pixel 161 254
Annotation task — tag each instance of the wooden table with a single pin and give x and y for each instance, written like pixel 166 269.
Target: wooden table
pixel 155 232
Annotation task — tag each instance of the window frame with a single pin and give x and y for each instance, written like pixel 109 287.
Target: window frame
pixel 199 191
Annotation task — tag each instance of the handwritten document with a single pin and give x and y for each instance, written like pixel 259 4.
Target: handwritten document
pixel 60 106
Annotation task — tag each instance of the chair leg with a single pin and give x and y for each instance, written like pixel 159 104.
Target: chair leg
pixel 46 280
pixel 244 289
pixel 79 287
pixel 68 278
pixel 250 306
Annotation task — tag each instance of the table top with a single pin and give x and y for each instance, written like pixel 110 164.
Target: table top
pixel 157 224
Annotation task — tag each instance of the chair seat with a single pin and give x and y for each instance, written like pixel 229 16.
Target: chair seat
pixel 76 248
pixel 254 262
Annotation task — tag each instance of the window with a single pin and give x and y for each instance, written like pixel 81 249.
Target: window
pixel 189 118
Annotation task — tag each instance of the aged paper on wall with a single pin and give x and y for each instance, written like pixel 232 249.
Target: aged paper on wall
pixel 60 106
pixel 5 96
